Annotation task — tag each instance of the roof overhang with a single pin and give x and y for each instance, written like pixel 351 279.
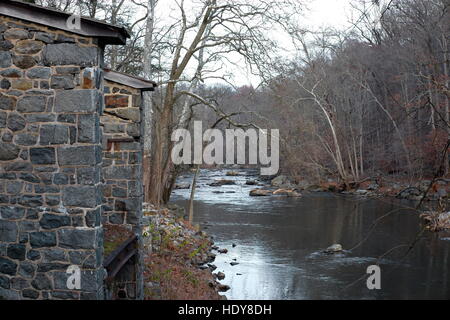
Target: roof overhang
pixel 106 33
pixel 130 81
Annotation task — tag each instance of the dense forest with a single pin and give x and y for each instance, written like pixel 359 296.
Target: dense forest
pixel 370 100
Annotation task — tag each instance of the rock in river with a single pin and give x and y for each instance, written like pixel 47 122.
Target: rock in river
pixel 286 192
pixel 220 276
pixel 223 288
pixel 182 186
pixel 260 193
pixel 222 182
pixel 335 248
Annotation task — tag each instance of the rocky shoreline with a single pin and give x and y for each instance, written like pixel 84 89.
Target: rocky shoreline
pixel 377 187
pixel 179 258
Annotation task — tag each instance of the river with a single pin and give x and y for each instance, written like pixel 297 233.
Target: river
pixel 279 242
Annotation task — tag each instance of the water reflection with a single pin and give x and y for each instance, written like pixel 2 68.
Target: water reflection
pixel 279 242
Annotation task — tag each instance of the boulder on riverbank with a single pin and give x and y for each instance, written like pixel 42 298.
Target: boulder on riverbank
pixel 260 193
pixel 282 182
pixel 287 193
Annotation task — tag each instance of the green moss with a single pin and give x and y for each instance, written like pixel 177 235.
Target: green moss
pixel 110 246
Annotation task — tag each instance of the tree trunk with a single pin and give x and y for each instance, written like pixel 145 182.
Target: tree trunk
pixel 148 106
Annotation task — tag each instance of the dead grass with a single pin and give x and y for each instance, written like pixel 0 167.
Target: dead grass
pixel 114 236
pixel 436 221
pixel 173 266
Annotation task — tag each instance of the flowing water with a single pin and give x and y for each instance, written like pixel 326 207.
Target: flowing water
pixel 279 242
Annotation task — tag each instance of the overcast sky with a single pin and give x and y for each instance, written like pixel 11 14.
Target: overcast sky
pixel 321 13
pixel 329 12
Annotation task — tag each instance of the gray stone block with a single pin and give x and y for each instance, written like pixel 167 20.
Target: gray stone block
pixel 52 134
pixel 14 188
pixel 83 197
pixel 118 173
pixel 8 151
pixel 42 117
pixel 7 103
pixel 24 61
pixel 15 122
pixel 43 155
pixel 70 54
pixel 75 101
pixel 17 251
pixel 6 45
pixel 29 177
pixel 77 238
pixel 30 294
pixel 26 139
pixel 28 46
pixel 5 282
pixel 62 82
pixel 52 221
pixel 33 255
pixel 42 239
pixel 88 129
pixel 11 73
pixel 8 231
pixel 12 213
pixel 29 104
pixel 77 156
pixel 44 37
pixel 93 218
pixel 8 267
pixel 47 267
pixel 27 270
pixel 54 254
pixel 88 176
pixel 19 167
pixel 5 59
pixel 7 294
pixel 42 282
pixel 16 33
pixel 3 116
pixel 39 73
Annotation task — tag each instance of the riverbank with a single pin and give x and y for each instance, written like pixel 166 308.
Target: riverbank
pixel 436 190
pixel 178 266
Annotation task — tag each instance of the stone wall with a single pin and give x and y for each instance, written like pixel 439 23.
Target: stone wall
pixel 122 174
pixel 122 156
pixel 51 98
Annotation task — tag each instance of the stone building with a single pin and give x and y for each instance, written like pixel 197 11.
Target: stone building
pixel 61 181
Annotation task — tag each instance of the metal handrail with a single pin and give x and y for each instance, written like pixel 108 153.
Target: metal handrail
pixel 119 257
